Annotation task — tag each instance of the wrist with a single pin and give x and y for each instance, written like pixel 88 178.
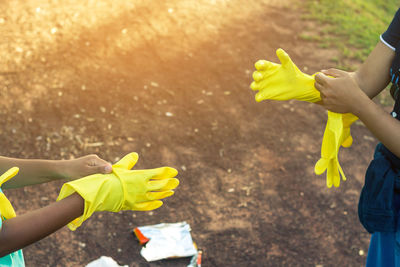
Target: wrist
pixel 60 169
pixel 360 106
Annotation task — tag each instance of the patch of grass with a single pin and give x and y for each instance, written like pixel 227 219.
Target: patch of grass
pixel 353 26
pixel 308 37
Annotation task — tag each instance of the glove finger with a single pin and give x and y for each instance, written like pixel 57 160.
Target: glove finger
pixel 128 161
pixel 263 95
pixel 159 195
pixel 255 86
pixel 348 119
pixel 320 166
pixel 263 64
pixel 164 184
pixel 285 59
pixel 341 172
pixel 8 175
pixel 149 205
pixel 348 142
pixel 162 173
pixel 257 76
pixel 146 175
pixel 329 181
pixel 330 175
pixel 171 184
pixel 335 173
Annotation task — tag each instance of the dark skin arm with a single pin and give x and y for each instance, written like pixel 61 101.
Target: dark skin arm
pixel 21 231
pixel 36 171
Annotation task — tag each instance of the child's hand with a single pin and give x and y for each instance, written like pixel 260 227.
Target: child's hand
pixel 84 166
pixel 283 81
pixel 340 92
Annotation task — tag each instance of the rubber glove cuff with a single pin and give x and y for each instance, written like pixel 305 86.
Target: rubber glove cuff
pixel 6 209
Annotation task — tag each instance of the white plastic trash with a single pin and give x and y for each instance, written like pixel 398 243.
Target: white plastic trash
pixel 167 240
pixel 104 261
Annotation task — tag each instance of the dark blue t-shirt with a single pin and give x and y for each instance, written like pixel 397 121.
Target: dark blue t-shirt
pixel 391 37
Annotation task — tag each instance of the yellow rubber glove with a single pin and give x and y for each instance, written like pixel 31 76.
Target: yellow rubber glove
pixel 337 133
pixel 283 81
pixel 6 209
pixel 123 189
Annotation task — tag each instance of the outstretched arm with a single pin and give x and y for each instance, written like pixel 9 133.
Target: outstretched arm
pixel 21 231
pixel 35 171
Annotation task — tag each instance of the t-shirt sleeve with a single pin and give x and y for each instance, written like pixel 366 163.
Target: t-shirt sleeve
pixel 391 37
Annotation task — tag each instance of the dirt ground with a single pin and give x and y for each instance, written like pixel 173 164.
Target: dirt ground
pixel 170 80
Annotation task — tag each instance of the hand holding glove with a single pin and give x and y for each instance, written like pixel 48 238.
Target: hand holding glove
pixel 123 189
pixel 6 209
pixel 283 81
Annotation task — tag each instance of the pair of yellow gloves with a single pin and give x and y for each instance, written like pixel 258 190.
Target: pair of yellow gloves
pixel 123 189
pixel 284 82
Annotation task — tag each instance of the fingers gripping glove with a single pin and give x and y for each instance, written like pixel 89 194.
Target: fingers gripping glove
pixel 337 133
pixel 123 189
pixel 6 209
pixel 283 81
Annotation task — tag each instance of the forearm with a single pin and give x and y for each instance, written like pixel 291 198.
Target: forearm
pixel 31 171
pixel 372 76
pixel 36 171
pixel 382 125
pixel 21 231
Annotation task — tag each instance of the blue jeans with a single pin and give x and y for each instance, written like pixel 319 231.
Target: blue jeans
pixel 384 247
